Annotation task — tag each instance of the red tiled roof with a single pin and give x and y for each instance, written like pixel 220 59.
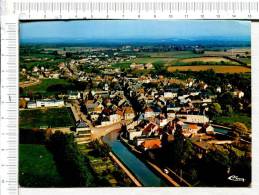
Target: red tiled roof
pixel 192 126
pixel 129 110
pixel 119 112
pixel 151 144
pixel 148 127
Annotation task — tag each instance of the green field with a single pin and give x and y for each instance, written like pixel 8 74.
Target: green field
pixel 125 65
pixel 31 57
pixel 172 54
pixel 246 60
pixel 43 86
pixel 37 167
pixel 153 60
pixel 54 117
pixel 161 58
pixel 235 117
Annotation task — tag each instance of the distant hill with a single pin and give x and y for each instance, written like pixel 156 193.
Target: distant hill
pixel 206 41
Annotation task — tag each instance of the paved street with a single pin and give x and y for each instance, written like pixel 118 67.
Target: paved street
pixel 97 132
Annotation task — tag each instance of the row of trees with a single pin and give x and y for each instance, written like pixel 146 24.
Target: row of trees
pixel 71 164
pixel 210 169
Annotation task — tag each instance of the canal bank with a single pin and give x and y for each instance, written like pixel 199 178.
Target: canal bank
pixel 128 173
pixel 221 129
pixel 140 170
pixel 172 179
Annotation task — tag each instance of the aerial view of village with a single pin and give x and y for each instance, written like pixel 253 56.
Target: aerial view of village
pixel 135 103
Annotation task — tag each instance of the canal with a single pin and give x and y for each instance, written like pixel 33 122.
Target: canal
pixel 135 165
pixel 143 173
pixel 222 130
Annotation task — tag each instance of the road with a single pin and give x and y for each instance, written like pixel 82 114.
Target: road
pixel 97 132
pixel 32 82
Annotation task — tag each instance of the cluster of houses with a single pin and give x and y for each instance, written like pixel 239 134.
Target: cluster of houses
pixel 148 134
pixel 101 59
pixel 147 66
pixel 164 106
pixel 40 72
pixel 106 108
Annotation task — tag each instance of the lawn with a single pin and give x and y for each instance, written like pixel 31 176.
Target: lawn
pixel 43 86
pixel 236 117
pixel 54 117
pixel 37 167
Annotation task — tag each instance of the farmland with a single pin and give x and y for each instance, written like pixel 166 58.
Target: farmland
pixel 216 68
pixel 230 57
pixel 44 85
pixel 206 59
pixel 54 117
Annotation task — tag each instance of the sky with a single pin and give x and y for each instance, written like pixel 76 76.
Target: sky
pixel 133 29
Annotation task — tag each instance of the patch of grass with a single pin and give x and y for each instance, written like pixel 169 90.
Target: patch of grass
pixel 22 78
pixel 125 65
pixel 45 83
pixel 37 167
pixel 54 117
pixel 235 117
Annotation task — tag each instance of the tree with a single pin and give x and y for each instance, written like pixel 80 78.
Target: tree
pixel 21 90
pixel 216 163
pixel 215 109
pixel 239 129
pixel 71 164
pixel 188 151
pixel 226 99
pixel 22 103
pixel 182 149
pixel 229 109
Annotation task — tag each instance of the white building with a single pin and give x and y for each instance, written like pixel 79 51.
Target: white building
pixel 73 95
pixel 149 113
pixel 169 95
pixel 218 89
pixel 133 133
pixel 31 105
pixel 35 69
pixel 171 114
pixel 129 113
pixel 188 118
pixel 238 93
pixel 194 93
pixel 49 103
pixel 114 118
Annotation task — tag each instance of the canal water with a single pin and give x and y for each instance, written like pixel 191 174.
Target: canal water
pixel 136 166
pixel 221 130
